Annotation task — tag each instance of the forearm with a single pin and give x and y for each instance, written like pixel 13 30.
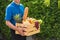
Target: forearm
pixel 10 25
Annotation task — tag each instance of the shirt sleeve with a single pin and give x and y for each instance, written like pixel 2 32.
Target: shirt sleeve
pixel 22 8
pixel 8 13
pixel 23 11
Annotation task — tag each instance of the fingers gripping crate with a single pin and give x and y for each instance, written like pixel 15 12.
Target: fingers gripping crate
pixel 30 30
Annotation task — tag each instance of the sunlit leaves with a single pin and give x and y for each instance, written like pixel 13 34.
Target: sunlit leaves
pixel 47 2
pixel 59 4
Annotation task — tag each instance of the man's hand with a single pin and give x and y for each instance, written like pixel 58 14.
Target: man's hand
pixel 20 31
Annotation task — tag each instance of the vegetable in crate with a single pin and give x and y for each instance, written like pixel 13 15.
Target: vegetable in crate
pixel 29 23
pixel 37 22
pixel 17 18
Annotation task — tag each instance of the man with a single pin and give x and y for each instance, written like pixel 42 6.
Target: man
pixel 12 9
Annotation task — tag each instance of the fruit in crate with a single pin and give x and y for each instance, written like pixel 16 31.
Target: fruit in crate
pixel 33 21
pixel 40 21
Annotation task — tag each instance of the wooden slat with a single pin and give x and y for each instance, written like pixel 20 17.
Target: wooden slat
pixel 32 33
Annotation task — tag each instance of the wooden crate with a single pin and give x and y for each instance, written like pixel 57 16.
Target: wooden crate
pixel 31 30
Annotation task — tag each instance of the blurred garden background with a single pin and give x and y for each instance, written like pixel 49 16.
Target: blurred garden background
pixel 47 10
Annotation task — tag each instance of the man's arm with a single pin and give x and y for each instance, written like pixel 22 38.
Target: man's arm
pixel 10 25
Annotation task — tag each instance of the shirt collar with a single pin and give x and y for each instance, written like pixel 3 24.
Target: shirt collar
pixel 15 4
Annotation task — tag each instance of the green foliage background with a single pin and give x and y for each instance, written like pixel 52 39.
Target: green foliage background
pixel 50 28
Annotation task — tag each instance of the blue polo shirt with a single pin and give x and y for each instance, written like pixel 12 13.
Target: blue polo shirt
pixel 13 9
